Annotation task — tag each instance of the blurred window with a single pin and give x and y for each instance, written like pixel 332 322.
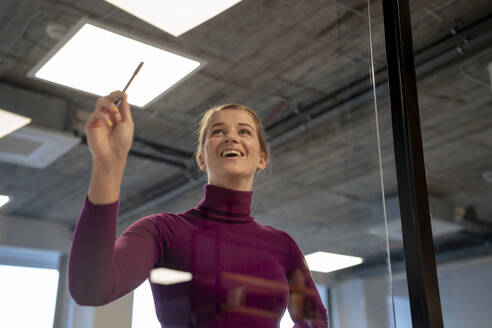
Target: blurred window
pixel 28 296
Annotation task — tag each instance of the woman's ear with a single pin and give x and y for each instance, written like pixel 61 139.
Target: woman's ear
pixel 203 167
pixel 263 161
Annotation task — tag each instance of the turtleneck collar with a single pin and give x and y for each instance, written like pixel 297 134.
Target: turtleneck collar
pixel 227 205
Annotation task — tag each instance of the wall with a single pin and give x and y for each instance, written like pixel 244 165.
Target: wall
pixel 365 302
pixel 31 233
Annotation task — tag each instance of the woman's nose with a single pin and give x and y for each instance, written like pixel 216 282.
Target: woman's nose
pixel 231 137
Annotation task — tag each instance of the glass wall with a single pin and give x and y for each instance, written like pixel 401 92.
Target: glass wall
pixel 323 101
pixel 319 239
pixel 453 56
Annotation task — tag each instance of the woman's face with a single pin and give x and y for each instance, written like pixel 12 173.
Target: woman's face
pixel 231 153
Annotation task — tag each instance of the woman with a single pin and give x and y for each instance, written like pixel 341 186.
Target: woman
pixel 244 274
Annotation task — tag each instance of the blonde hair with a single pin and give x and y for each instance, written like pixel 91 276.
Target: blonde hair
pixel 206 117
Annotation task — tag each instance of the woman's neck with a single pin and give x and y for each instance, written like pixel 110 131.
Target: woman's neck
pixel 224 204
pixel 238 183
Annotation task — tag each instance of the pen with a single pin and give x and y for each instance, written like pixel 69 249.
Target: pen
pixel 118 102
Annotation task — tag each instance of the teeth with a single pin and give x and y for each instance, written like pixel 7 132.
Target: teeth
pixel 230 151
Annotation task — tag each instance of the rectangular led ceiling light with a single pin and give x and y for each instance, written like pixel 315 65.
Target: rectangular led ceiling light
pixel 4 200
pixel 9 122
pixel 98 60
pixel 174 16
pixel 328 262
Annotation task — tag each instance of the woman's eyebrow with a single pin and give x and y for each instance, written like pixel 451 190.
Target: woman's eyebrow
pixel 246 124
pixel 220 123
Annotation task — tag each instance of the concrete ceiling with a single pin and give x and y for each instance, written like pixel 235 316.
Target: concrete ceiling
pixel 304 67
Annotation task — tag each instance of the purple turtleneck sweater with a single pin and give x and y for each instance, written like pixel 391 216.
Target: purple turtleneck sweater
pixel 244 274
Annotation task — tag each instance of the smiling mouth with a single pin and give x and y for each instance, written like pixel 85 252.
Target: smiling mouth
pixel 231 153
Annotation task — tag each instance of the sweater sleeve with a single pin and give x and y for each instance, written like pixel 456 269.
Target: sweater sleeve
pixel 305 306
pixel 102 269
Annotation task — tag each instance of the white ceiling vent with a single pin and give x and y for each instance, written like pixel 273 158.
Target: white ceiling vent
pixel 35 147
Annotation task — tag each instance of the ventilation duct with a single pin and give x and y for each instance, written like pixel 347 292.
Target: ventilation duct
pixel 43 109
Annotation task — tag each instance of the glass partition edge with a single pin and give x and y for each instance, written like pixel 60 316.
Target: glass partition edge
pixel 412 189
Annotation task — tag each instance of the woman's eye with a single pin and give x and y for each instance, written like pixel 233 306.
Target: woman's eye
pixel 245 131
pixel 216 131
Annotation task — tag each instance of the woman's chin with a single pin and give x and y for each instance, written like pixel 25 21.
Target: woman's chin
pixel 231 173
pixel 235 173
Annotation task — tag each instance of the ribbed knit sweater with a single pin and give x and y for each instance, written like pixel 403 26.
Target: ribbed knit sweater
pixel 243 273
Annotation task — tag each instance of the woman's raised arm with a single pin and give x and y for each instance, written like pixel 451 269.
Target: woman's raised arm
pixel 102 269
pixel 109 133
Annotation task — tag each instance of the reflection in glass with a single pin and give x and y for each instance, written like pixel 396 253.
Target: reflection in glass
pixel 314 72
pixel 326 192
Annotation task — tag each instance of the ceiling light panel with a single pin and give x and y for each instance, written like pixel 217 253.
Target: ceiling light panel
pixel 4 199
pixel 98 60
pixel 9 122
pixel 174 16
pixel 328 262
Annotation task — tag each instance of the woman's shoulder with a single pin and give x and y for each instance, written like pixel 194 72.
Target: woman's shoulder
pixel 275 232
pixel 279 235
pixel 159 221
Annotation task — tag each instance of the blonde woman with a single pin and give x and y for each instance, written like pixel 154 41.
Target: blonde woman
pixel 244 274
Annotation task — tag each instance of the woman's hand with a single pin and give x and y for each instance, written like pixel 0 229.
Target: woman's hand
pixel 109 130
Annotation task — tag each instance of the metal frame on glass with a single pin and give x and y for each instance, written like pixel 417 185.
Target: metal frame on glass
pixel 412 188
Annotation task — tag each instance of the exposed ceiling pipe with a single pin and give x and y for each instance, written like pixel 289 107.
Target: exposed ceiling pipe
pixel 459 44
pixel 136 212
pixel 186 166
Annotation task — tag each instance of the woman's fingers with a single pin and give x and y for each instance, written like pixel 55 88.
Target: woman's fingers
pixel 107 104
pixel 112 111
pixel 107 114
pixel 100 116
pixel 125 110
pixel 115 95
